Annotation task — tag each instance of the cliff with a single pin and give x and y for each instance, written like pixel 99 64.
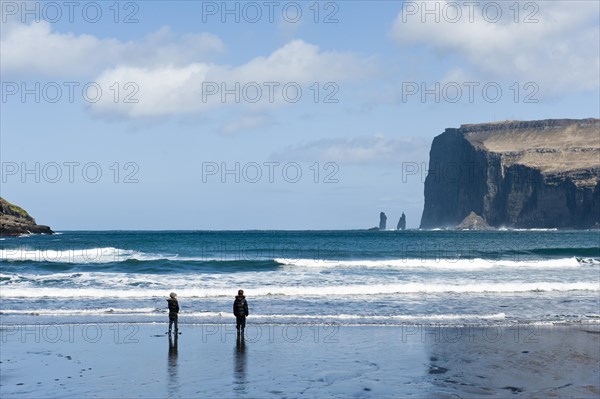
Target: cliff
pixel 15 221
pixel 526 174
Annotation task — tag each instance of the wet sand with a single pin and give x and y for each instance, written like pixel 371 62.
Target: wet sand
pixel 138 360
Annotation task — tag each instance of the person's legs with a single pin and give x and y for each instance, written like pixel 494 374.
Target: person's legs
pixel 176 319
pixel 243 323
pixel 173 320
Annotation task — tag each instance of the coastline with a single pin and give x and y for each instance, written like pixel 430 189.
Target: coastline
pixel 137 360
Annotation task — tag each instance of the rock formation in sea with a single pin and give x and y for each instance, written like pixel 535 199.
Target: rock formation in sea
pixel 525 174
pixel 15 221
pixel 473 222
pixel 402 222
pixel 382 221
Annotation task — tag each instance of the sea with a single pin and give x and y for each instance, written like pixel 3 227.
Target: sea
pixel 433 277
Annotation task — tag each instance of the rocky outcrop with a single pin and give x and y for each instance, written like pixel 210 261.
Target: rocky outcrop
pixel 534 174
pixel 402 222
pixel 382 221
pixel 15 221
pixel 473 222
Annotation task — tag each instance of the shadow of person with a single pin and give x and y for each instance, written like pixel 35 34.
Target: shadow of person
pixel 239 373
pixel 172 365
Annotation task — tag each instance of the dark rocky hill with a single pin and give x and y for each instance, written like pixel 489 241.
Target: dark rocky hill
pixel 15 221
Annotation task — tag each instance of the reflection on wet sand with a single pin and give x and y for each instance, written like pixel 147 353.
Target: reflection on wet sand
pixel 172 366
pixel 239 372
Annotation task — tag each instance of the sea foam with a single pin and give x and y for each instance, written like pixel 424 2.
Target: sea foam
pixel 297 291
pixel 442 263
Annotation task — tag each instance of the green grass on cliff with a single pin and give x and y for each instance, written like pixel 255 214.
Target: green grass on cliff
pixel 22 212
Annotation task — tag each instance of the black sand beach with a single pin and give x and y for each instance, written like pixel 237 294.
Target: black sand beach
pixel 138 360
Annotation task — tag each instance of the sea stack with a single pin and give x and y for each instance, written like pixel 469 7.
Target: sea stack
pixel 401 222
pixel 382 221
pixel 524 174
pixel 473 222
pixel 15 221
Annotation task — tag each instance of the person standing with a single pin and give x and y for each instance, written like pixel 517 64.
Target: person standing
pixel 173 311
pixel 240 311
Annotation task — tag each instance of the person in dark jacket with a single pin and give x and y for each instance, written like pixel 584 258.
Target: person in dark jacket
pixel 173 311
pixel 240 311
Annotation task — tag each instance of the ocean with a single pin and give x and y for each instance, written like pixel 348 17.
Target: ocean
pixel 453 278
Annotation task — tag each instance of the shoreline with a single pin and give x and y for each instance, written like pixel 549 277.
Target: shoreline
pixel 4 325
pixel 139 360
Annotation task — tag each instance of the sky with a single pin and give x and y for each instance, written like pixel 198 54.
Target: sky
pixel 202 115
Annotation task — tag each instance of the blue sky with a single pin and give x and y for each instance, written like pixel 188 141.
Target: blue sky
pixel 170 152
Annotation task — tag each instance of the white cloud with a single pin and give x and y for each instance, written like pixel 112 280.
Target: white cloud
pixel 173 90
pixel 559 52
pixel 34 49
pixel 169 70
pixel 159 91
pixel 249 122
pixel 301 62
pixel 359 150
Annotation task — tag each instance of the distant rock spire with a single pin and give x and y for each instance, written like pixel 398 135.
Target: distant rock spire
pixel 401 222
pixel 382 221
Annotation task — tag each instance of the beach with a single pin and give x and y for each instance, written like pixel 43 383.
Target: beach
pixel 406 194
pixel 347 314
pixel 122 360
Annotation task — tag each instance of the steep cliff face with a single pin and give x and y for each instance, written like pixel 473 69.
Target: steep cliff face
pixel 535 174
pixel 15 221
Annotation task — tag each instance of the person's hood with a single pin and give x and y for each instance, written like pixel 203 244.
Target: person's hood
pixel 171 299
pixel 239 297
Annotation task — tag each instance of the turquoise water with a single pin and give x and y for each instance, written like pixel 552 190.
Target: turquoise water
pixel 345 277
